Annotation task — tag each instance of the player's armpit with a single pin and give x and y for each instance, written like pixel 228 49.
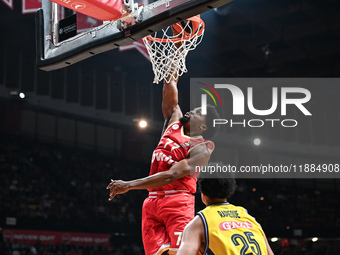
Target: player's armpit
pixel 193 238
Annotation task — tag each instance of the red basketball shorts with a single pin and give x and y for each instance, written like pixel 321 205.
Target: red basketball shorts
pixel 164 219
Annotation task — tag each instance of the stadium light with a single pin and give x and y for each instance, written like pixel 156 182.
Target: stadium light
pixel 257 141
pixel 274 239
pixel 16 93
pixel 142 124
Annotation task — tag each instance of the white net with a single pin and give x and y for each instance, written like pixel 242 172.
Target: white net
pixel 168 51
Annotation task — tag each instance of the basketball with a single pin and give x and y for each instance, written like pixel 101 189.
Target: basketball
pixel 187 27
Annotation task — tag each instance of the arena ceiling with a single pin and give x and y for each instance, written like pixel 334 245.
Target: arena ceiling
pixel 247 38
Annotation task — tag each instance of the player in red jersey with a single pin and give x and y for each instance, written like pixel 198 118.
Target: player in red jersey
pixel 170 205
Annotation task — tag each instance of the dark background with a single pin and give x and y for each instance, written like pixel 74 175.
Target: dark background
pixel 91 109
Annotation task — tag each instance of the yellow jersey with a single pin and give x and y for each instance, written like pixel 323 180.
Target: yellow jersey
pixel 230 230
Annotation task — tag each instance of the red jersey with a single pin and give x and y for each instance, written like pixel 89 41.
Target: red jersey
pixel 172 148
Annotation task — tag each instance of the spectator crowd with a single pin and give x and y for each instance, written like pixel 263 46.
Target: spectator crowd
pixel 47 187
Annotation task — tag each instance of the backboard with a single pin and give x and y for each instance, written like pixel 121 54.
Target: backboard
pixel 61 41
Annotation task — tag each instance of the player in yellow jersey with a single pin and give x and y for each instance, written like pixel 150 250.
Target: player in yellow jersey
pixel 222 228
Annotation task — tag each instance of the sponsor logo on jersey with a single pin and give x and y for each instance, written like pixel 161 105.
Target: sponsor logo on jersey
pixel 175 126
pixel 229 225
pixel 160 242
pixel 159 156
pixel 187 145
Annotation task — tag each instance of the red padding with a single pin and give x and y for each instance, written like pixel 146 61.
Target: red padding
pixel 99 9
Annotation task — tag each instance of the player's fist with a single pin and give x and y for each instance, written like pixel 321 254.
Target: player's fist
pixel 117 187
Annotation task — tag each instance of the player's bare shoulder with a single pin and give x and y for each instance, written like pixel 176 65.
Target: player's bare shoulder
pixel 199 155
pixel 193 238
pixel 205 148
pixel 200 149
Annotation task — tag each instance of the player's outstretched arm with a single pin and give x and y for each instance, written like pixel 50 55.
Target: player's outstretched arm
pixel 170 97
pixel 170 108
pixel 199 156
pixel 193 238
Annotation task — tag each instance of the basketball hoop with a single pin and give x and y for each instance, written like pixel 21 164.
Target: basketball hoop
pixel 169 47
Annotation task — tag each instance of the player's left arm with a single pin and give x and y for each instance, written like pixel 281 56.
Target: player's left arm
pixel 269 249
pixel 193 238
pixel 199 156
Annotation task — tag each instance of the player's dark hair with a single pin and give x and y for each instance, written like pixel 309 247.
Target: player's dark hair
pixel 217 185
pixel 209 121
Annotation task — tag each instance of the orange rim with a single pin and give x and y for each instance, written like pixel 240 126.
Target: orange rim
pixel 175 40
